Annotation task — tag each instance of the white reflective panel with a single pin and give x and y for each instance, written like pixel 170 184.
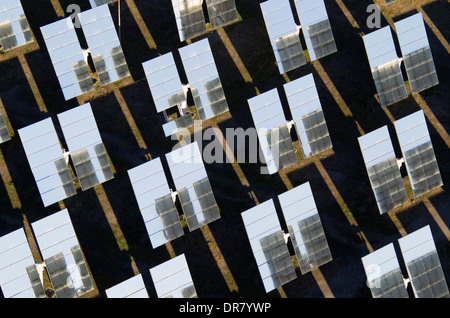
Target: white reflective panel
pixel 303 100
pixel 423 264
pixel 172 279
pixel 262 221
pixel 305 228
pixel 380 47
pixel 189 18
pixel 96 3
pixel 43 149
pixel 201 71
pixel 163 80
pixel 133 287
pixel 411 34
pixel 81 134
pixel 376 146
pixel 67 57
pixel 382 169
pixel 316 28
pixel 14 28
pixel 416 52
pixel 187 170
pixel 105 49
pixel 280 23
pixel 186 165
pixel 267 113
pixel 417 244
pixel 385 66
pixel 383 273
pixel 15 257
pixel 149 183
pixel 55 234
pixel 412 131
pixel 418 153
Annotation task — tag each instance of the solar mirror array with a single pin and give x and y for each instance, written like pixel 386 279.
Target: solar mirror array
pixel 382 167
pixel 418 153
pixel 284 33
pixel 204 83
pixel 305 227
pixel 383 273
pixel 62 255
pixel 385 64
pixel 70 61
pixel 14 28
pixel 22 277
pixel 190 18
pixel 49 164
pixel 416 53
pixel 104 46
pixel 268 245
pixel 269 242
pixel 67 57
pixel 157 202
pixel 193 186
pixel 86 148
pixel 423 266
pixel 307 113
pixel 171 279
pixel 274 129
pixel 316 28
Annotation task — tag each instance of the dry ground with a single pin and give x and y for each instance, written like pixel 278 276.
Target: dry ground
pixel 107 220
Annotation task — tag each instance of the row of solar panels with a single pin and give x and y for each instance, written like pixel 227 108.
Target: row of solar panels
pixel 50 167
pixel 269 242
pixel 385 64
pixel 203 82
pixel 14 28
pixel 284 33
pixel 172 279
pixel 190 19
pixel 383 168
pixel 278 138
pixel 274 129
pixel 22 277
pixel 384 276
pixel 70 61
pixel 49 163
